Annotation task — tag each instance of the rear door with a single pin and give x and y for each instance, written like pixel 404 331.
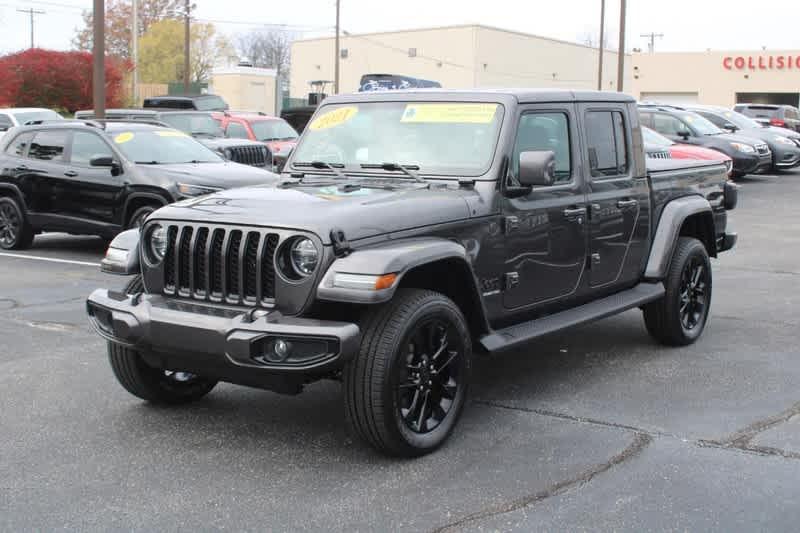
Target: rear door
pixel 618 200
pixel 46 170
pixel 91 194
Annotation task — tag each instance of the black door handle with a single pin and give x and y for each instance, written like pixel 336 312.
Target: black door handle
pixel 70 173
pixel 574 212
pixel 622 204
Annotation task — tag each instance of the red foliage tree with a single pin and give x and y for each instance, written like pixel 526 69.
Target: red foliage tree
pixel 63 80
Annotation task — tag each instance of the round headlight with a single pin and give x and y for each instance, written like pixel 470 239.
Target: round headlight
pixel 158 242
pixel 304 256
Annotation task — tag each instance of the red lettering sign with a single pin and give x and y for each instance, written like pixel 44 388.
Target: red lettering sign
pixel 727 62
pixel 781 62
pixel 764 62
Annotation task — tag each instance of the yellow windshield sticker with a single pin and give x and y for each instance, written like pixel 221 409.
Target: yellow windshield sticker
pixel 123 137
pixel 450 113
pixel 689 119
pixel 334 118
pixel 170 133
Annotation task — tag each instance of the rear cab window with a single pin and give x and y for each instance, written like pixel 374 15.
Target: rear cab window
pixel 607 144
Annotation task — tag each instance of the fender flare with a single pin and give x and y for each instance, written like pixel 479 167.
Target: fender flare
pixel 395 257
pixel 14 190
pixel 122 256
pixel 136 195
pixel 666 235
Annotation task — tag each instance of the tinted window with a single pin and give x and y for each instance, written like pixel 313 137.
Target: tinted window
pixel 667 125
pixel 606 138
pixel 193 123
pixel 545 131
pixel 237 131
pixel 5 122
pixel 87 145
pixel 759 111
pixel 48 145
pixel 210 103
pixel 273 130
pixel 19 144
pixel 168 104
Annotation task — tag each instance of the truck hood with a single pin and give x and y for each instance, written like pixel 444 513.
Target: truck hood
pixel 360 213
pixel 226 175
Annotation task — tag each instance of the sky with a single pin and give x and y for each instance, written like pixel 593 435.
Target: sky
pixel 687 25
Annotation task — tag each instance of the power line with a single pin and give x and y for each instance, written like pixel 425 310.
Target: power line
pixel 651 46
pixel 31 12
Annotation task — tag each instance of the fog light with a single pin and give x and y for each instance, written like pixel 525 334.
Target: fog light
pixel 281 350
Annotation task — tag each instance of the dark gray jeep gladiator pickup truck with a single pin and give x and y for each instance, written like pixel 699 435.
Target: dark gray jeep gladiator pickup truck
pixel 411 230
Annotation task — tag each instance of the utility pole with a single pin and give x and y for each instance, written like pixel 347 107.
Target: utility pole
pixel 600 47
pixel 186 46
pixel 98 58
pixel 31 12
pixel 135 52
pixel 621 58
pixel 651 46
pixel 338 53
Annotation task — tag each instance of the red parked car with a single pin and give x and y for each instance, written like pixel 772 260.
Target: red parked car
pixel 683 151
pixel 275 132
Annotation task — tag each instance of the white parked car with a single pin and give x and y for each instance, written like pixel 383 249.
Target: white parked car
pixel 19 116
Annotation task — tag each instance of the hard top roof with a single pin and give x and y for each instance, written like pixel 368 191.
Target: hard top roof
pixel 521 96
pixel 182 97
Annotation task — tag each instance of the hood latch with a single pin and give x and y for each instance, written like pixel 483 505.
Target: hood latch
pixel 341 248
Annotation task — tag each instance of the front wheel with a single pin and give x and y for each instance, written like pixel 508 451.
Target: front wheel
pixel 680 316
pixel 406 388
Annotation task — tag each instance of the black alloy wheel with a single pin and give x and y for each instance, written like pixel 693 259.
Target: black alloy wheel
pixel 428 384
pixel 15 232
pixel 694 281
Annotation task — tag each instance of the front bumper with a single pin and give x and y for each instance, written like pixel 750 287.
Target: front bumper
pixel 220 342
pixel 751 163
pixel 788 157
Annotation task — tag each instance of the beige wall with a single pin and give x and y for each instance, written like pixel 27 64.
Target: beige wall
pixel 704 73
pixel 458 57
pixel 245 88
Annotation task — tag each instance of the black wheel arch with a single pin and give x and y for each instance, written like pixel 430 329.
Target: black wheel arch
pixel 9 189
pixel 138 199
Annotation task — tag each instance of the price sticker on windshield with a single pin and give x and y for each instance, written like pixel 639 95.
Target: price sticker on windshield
pixel 467 113
pixel 123 137
pixel 334 118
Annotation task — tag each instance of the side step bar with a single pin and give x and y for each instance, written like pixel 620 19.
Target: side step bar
pixel 519 334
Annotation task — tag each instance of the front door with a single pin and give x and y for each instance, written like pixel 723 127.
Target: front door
pixel 618 200
pixel 545 231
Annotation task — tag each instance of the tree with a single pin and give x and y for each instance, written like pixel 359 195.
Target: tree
pixel 60 80
pixel 161 51
pixel 267 49
pixel 118 23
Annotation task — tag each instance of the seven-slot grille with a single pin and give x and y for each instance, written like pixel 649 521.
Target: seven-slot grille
pixel 218 264
pixel 661 154
pixel 249 155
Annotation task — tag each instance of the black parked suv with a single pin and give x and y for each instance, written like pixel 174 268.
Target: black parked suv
pixel 783 143
pixel 200 125
pixel 411 231
pixel 200 102
pixel 749 155
pixel 782 116
pixel 81 178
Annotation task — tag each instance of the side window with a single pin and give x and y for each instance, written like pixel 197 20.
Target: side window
pixel 5 122
pixel 48 145
pixel 607 143
pixel 236 131
pixel 667 125
pixel 647 120
pixel 87 145
pixel 545 131
pixel 18 146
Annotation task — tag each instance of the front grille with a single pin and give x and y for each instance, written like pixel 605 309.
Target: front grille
pixel 249 155
pixel 661 154
pixel 232 265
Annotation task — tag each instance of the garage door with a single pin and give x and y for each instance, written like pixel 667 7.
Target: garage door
pixel 670 98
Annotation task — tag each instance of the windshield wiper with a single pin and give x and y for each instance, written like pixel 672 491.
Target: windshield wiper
pixel 333 167
pixel 147 162
pixel 408 170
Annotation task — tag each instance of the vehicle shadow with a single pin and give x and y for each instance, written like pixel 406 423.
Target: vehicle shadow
pixel 59 242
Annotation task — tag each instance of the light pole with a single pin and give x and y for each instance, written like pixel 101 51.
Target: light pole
pixel 135 52
pixel 337 52
pixel 621 58
pixel 600 46
pixel 186 47
pixel 98 58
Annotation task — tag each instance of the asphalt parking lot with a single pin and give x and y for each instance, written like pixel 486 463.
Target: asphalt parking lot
pixel 595 429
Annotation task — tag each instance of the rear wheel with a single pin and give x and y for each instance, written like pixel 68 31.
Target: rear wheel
pixel 15 231
pixel 680 316
pixel 407 386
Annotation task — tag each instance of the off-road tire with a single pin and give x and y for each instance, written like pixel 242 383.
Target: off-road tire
pixel 371 403
pixel 138 217
pixel 12 213
pixel 663 317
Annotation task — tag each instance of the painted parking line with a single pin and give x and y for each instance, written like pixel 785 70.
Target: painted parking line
pixel 49 259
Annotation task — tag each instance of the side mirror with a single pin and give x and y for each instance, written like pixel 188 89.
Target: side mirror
pixel 537 168
pixel 684 134
pixel 730 126
pixel 102 161
pixel 4 128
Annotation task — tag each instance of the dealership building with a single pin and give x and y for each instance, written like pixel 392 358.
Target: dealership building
pixel 457 57
pixel 718 77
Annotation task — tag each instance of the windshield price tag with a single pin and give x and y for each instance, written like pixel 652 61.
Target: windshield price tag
pixel 450 113
pixel 334 118
pixel 123 137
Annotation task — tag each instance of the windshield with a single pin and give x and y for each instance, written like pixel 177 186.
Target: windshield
pixel 655 139
pixel 162 147
pixel 193 123
pixel 273 130
pixel 701 125
pixel 45 114
pixel 740 121
pixel 446 138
